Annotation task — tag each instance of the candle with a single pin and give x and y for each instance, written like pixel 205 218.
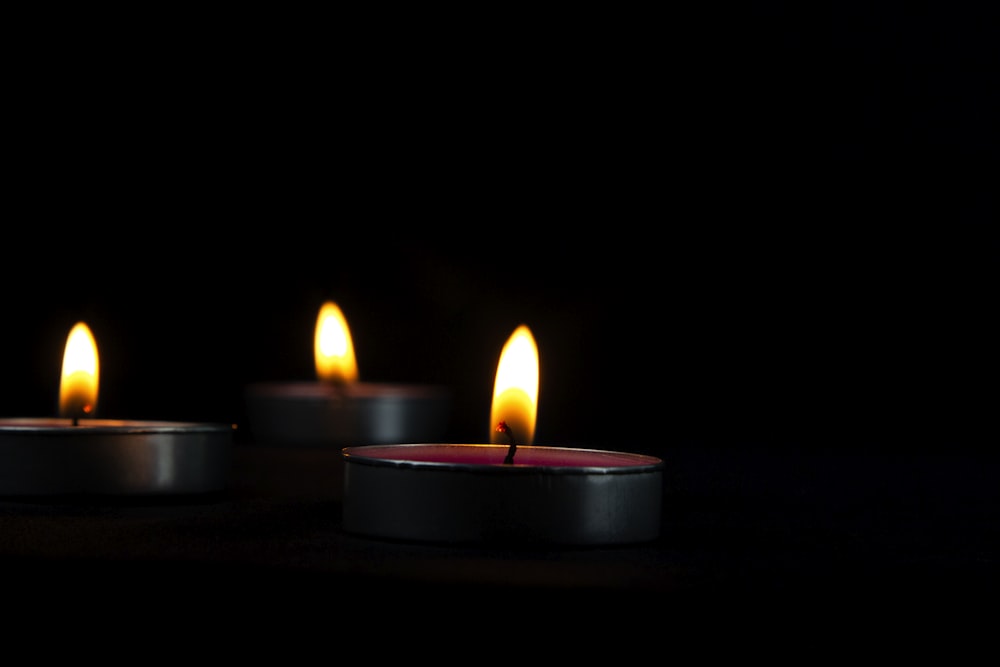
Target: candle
pixel 338 408
pixel 503 493
pixel 77 453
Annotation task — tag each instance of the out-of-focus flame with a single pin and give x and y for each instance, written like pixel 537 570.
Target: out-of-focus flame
pixel 515 393
pixel 80 374
pixel 333 347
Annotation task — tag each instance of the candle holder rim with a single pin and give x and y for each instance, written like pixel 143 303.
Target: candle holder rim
pixel 644 463
pixel 44 426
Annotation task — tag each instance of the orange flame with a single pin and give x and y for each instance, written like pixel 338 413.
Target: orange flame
pixel 515 392
pixel 333 347
pixel 80 373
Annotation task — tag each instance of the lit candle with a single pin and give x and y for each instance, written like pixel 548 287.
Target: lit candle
pixel 338 408
pixel 76 453
pixel 78 386
pixel 503 493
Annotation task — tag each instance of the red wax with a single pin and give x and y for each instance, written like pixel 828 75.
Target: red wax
pixel 526 455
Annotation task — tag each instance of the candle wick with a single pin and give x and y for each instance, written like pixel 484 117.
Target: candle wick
pixel 338 386
pixel 502 427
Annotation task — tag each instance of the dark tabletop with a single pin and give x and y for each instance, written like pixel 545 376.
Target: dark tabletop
pixel 739 524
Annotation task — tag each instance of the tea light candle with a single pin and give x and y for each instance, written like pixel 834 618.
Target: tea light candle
pixel 338 409
pixel 503 493
pixel 79 454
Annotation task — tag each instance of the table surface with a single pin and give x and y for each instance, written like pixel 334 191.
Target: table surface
pixel 739 524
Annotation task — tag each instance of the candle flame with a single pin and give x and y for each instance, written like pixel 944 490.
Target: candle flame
pixel 80 372
pixel 333 347
pixel 515 393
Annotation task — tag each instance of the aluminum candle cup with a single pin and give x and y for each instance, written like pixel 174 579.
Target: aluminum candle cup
pixel 79 454
pixel 112 457
pixel 338 409
pixel 503 493
pixel 317 414
pixel 466 494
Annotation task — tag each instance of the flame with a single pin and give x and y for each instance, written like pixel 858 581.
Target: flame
pixel 333 347
pixel 80 371
pixel 515 393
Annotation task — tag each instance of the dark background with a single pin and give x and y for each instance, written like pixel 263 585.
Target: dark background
pixel 765 226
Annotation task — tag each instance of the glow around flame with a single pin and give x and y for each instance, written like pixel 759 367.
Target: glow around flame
pixel 515 393
pixel 80 374
pixel 333 347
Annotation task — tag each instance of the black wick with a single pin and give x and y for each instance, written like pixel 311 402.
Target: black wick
pixel 503 428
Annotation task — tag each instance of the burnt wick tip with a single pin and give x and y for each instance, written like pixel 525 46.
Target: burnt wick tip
pixel 502 427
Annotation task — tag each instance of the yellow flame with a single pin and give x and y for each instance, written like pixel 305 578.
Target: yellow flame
pixel 515 393
pixel 333 347
pixel 80 373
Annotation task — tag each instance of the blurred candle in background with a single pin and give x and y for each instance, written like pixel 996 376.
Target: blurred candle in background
pixel 337 408
pixel 333 347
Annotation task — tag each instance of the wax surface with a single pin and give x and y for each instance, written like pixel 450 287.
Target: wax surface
pixel 58 425
pixel 467 454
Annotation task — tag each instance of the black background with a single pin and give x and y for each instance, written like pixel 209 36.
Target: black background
pixel 760 226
